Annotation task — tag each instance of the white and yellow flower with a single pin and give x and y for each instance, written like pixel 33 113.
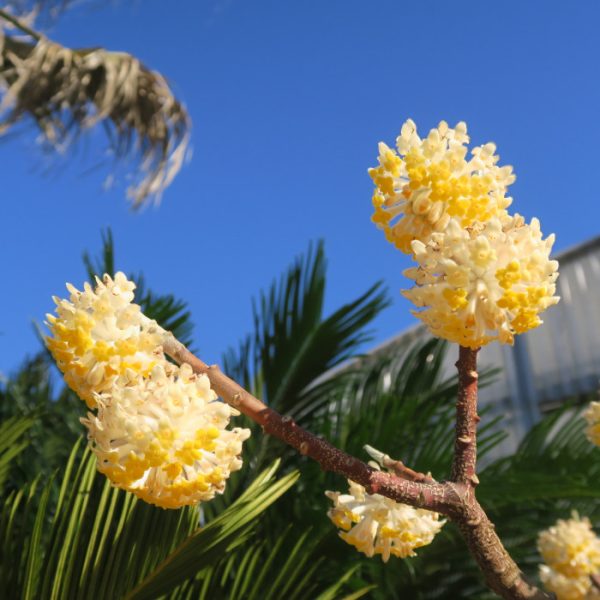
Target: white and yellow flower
pixel 164 437
pixel 571 547
pixel 568 588
pixel 374 524
pixel 428 181
pixel 592 416
pixel 486 282
pixel 99 335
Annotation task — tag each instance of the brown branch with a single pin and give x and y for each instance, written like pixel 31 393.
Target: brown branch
pixel 454 499
pixel 500 571
pixel 465 443
pixel 432 496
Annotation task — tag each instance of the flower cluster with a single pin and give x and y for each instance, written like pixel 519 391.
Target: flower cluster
pixel 430 181
pixel 374 524
pixel 99 336
pixel 592 416
pixel 486 284
pixel 159 430
pixel 165 438
pixel 482 274
pixel 571 551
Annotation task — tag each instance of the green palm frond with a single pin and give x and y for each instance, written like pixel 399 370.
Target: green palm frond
pixel 96 541
pixel 334 590
pixel 223 534
pixel 555 458
pixel 12 442
pixel 54 420
pixel 290 566
pixel 400 402
pixel 104 262
pixel 293 344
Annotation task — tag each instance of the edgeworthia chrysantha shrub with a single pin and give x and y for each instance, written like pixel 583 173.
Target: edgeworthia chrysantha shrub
pixel 429 181
pixel 159 430
pixel 481 275
pixel 100 338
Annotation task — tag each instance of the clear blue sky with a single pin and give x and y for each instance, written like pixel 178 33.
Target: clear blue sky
pixel 289 100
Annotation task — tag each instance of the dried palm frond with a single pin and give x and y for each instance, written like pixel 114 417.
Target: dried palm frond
pixel 68 91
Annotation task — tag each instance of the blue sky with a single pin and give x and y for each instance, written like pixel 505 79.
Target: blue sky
pixel 289 100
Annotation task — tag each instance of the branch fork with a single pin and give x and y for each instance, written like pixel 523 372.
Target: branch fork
pixel 455 498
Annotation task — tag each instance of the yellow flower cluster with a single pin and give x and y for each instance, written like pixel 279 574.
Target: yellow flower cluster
pixel 484 284
pixel 374 524
pixel 165 438
pixel 429 181
pixel 592 416
pixel 159 430
pixel 99 336
pixel 571 551
pixel 482 274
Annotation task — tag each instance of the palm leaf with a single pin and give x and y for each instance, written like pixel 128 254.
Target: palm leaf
pixel 220 536
pixel 12 443
pixel 289 565
pixel 54 420
pixel 293 344
pixel 104 543
pixel 555 458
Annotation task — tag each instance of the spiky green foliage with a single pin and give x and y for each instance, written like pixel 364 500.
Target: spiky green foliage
pixel 54 413
pixel 97 541
pixel 12 442
pixel 293 343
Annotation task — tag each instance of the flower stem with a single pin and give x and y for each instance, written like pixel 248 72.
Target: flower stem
pixel 464 465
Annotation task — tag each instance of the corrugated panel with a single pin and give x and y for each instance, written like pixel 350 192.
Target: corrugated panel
pixel 565 351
